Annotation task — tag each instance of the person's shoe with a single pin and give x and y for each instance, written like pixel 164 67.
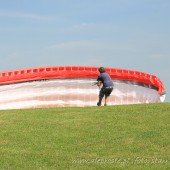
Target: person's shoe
pixel 98 104
pixel 105 104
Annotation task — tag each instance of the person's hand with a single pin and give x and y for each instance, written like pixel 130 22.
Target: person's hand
pixel 99 83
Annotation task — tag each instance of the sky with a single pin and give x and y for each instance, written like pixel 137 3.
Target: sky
pixel 127 34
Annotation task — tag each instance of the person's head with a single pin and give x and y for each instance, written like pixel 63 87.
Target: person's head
pixel 101 69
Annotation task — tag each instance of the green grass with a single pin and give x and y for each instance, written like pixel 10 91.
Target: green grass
pixel 130 137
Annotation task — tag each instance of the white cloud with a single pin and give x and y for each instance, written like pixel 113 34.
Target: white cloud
pixel 87 44
pixel 93 27
pixel 75 44
pixel 82 25
pixel 23 15
pixel 158 56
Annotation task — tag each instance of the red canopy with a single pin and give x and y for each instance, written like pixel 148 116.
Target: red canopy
pixel 59 72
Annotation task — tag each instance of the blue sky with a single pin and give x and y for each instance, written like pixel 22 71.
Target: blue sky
pixel 129 34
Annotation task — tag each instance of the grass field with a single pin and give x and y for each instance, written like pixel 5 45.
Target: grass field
pixel 130 137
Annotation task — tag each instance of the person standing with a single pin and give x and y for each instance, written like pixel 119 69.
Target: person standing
pixel 107 88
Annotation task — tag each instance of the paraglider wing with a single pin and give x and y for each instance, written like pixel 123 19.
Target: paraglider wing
pixel 72 86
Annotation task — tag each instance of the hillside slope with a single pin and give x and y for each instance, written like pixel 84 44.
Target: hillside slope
pixel 115 137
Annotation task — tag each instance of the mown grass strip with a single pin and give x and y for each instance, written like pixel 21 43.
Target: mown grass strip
pixel 116 137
